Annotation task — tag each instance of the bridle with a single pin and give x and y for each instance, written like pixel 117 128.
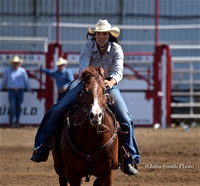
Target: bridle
pixel 83 108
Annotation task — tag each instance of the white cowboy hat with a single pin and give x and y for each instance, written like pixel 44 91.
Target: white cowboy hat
pixel 61 61
pixel 16 59
pixel 104 26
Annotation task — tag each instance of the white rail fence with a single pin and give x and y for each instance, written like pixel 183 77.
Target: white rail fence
pixel 46 33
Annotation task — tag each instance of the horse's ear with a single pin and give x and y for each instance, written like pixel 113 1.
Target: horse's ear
pixel 102 72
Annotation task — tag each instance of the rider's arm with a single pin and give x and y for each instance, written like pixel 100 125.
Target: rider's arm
pixel 117 71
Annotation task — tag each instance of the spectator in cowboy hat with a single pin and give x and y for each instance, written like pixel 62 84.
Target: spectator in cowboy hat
pixel 63 76
pixel 101 50
pixel 15 79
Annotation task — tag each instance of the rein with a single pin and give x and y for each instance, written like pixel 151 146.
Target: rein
pixel 91 156
pixel 79 113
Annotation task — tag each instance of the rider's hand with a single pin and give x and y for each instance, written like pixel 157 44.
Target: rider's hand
pixel 64 88
pixel 110 83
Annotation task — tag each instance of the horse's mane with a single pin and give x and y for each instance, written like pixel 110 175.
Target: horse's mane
pixel 96 72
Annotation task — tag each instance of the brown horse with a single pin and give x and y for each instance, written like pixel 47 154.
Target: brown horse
pixel 89 142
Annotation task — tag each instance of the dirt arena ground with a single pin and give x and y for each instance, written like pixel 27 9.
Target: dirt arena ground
pixel 168 157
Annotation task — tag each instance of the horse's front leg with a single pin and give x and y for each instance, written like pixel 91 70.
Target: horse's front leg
pixel 75 181
pixel 106 180
pixel 63 181
pixel 73 178
pixel 59 167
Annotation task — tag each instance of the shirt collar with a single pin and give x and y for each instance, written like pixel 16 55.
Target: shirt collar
pixel 94 48
pixel 109 47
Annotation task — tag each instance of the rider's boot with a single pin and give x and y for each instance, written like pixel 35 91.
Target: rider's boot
pixel 130 169
pixel 40 154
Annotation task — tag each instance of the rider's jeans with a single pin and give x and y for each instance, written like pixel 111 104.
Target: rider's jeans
pixel 125 119
pixel 50 120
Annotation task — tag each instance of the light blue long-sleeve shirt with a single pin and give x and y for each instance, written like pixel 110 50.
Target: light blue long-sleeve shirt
pixel 112 61
pixel 15 79
pixel 63 78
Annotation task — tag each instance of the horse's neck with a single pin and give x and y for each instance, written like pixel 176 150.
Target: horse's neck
pixel 87 138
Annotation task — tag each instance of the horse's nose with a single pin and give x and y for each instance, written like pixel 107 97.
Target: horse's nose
pixel 95 116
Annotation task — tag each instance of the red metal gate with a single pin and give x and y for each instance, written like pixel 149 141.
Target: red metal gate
pixel 155 95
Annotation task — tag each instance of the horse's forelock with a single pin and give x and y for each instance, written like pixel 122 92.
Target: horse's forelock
pixel 102 72
pixel 92 71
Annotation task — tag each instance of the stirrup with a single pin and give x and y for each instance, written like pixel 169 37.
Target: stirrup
pixel 126 156
pixel 46 145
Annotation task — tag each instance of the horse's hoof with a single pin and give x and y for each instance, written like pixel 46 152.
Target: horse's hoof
pixel 130 170
pixel 40 156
